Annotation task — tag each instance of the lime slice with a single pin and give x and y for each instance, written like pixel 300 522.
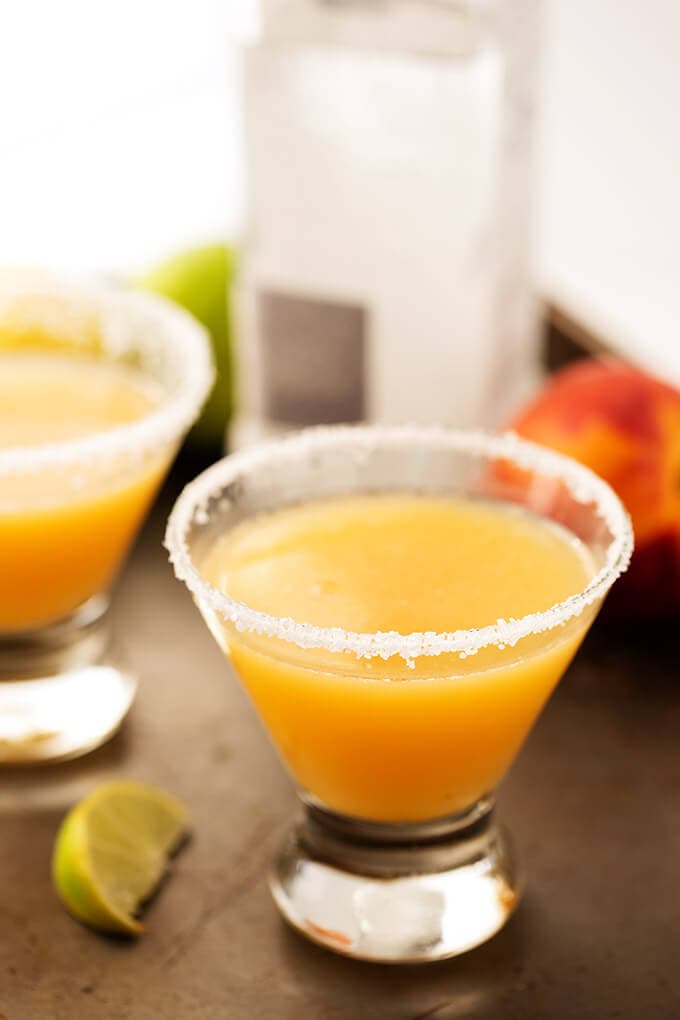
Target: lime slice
pixel 112 850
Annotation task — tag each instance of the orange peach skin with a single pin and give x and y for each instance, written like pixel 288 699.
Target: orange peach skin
pixel 625 426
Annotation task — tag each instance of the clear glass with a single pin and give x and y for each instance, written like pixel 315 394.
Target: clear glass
pixel 69 510
pixel 402 133
pixel 425 872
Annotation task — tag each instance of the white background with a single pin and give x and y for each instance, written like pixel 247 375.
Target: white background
pixel 609 225
pixel 118 129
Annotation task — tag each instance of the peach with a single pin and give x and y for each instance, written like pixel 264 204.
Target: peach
pixel 625 425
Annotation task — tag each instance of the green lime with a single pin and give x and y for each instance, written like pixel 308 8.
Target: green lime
pixel 112 850
pixel 201 280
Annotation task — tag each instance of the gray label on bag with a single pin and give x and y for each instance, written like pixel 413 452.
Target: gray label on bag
pixel 312 359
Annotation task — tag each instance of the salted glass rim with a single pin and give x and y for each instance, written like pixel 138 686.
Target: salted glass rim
pixel 582 483
pixel 120 312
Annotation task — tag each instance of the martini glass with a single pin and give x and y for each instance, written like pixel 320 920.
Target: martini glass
pixel 376 867
pixel 71 504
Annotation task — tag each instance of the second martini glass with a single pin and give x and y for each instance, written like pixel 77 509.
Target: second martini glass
pixel 98 386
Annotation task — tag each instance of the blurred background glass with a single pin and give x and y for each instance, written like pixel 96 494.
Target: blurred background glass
pixel 388 161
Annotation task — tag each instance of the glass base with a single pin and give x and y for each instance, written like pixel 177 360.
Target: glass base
pixel 63 690
pixel 403 893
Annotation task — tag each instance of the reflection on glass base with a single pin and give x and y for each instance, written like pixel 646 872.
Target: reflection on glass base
pixel 63 691
pixel 397 893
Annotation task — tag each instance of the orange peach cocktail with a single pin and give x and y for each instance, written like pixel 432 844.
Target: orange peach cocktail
pixel 64 531
pixel 377 739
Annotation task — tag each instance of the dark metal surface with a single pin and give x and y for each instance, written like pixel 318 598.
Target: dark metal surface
pixel 593 802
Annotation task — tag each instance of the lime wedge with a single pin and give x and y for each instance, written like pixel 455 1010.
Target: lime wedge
pixel 112 850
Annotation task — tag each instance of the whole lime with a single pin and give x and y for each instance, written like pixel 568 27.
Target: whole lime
pixel 200 280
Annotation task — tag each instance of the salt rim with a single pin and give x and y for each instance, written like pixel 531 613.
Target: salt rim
pixel 584 485
pixel 120 312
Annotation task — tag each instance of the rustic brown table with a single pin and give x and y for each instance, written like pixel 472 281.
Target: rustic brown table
pixel 594 804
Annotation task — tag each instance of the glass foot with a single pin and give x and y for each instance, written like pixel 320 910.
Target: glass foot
pixel 63 691
pixel 397 893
